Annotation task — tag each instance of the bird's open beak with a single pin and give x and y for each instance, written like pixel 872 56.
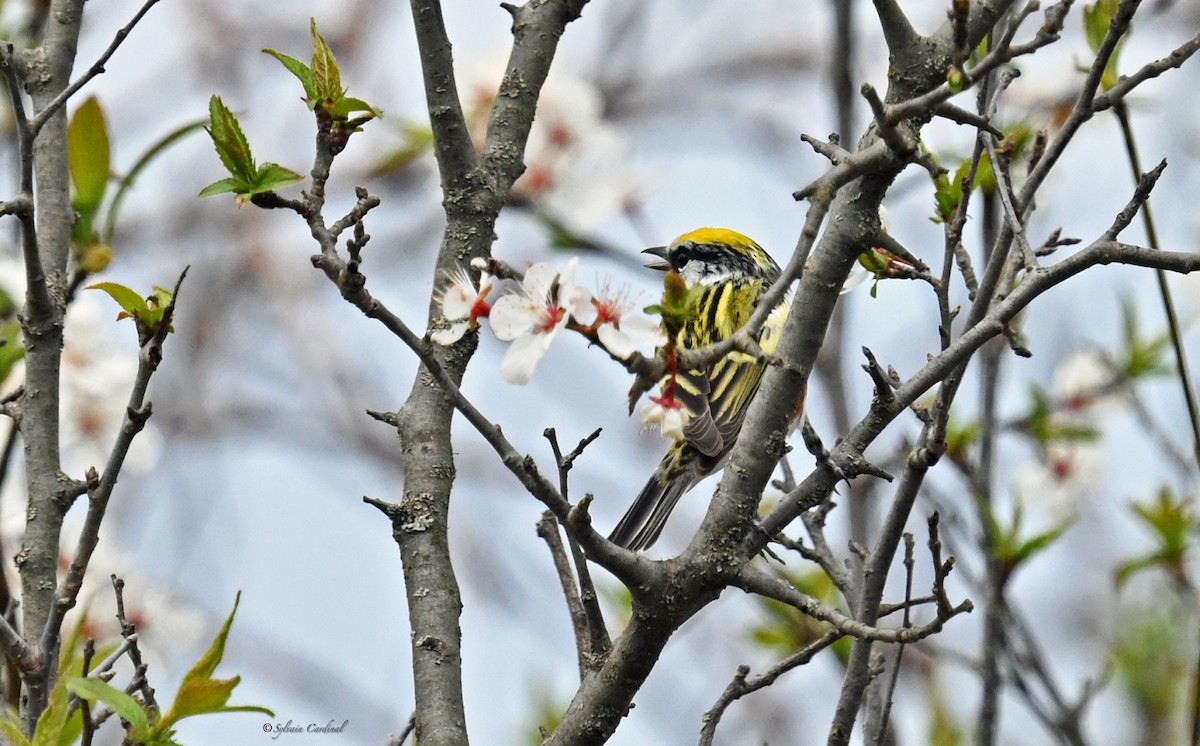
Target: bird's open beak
pixel 661 252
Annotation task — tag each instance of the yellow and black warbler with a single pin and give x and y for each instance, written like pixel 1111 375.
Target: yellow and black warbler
pixel 734 272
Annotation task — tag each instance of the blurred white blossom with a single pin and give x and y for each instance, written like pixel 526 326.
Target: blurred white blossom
pixel 96 379
pixel 1084 380
pixel 164 621
pixel 1055 484
pixel 578 168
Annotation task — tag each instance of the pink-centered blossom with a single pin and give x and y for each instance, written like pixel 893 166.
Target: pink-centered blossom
pixel 463 304
pixel 667 414
pixel 620 331
pixel 1085 380
pixel 1064 475
pixel 578 166
pixel 533 317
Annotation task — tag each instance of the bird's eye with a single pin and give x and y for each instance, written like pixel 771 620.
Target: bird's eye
pixel 680 257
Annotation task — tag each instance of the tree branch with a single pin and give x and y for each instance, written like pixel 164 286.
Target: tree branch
pixel 742 685
pixel 45 72
pixel 35 124
pixel 100 486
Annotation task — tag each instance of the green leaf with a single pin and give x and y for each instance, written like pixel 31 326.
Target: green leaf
pixel 1140 357
pixel 12 350
pixel 985 176
pixel 128 300
pixel 232 147
pixel 272 176
pixel 200 696
pixel 204 667
pixel 1096 21
pixel 1150 658
pixel 1045 428
pixel 53 720
pixel 88 157
pixel 943 730
pixel 302 72
pixel 981 50
pixel 1038 542
pixel 146 312
pixel 326 78
pixel 126 183
pixel 199 693
pixel 1169 518
pixel 347 105
pixel 125 706
pixel 246 179
pixel 416 140
pixel 960 436
pixel 236 186
pixel 1130 567
pixel 873 261
pixel 787 629
pixel 947 193
pixel 1009 549
pixel 10 728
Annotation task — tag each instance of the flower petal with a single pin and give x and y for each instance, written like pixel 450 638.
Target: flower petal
pixel 512 315
pixel 582 307
pixel 672 424
pixel 615 341
pixel 450 334
pixel 566 281
pixel 457 300
pixel 644 330
pixel 669 420
pixel 856 278
pixel 537 282
pixel 522 358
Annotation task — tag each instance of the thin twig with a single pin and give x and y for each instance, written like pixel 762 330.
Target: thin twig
pixel 755 580
pixel 742 685
pixel 1173 326
pixel 100 486
pixel 43 116
pixel 598 641
pixel 88 726
pixel 909 545
pixel 1128 83
pixel 409 728
pixel 128 630
pixel 547 529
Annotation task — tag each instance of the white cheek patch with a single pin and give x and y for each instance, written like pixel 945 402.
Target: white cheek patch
pixel 697 271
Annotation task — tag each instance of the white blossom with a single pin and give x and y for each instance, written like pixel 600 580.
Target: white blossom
pixel 533 317
pixel 96 379
pixel 463 303
pixel 667 414
pixel 620 331
pixel 858 276
pixel 578 168
pixel 1084 379
pixel 1056 483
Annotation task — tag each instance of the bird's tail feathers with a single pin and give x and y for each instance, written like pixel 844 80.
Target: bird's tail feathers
pixel 644 521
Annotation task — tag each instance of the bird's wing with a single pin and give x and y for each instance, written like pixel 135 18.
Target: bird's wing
pixel 733 382
pixel 701 430
pixel 717 396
